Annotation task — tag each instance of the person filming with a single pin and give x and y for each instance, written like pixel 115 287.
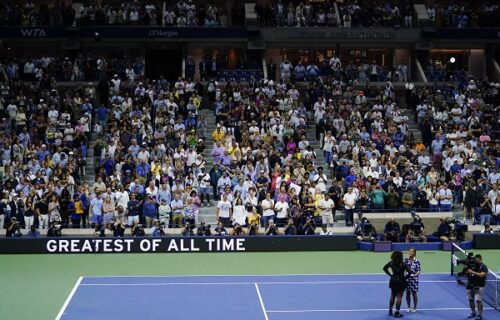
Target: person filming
pixel 476 276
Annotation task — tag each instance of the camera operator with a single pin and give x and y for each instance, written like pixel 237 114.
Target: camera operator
pixel 157 229
pixel 220 230
pixel 237 230
pixel 476 280
pixel 187 231
pixel 271 229
pixel 13 228
pixel 204 230
pixel 118 229
pixel 392 231
pixel 290 228
pixel 417 231
pixel 365 230
pixel 54 229
pixel 138 230
pixel 309 227
pixel 444 231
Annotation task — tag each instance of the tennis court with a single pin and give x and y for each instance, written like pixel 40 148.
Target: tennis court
pixel 43 283
pixel 268 297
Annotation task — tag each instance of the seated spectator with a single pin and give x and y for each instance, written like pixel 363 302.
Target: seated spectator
pixel 444 231
pixel 416 232
pixel 392 231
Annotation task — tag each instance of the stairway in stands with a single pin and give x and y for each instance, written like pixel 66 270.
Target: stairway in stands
pixel 207 214
pixel 91 160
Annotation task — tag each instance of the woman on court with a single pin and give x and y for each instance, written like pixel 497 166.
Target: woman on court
pixel 398 274
pixel 412 280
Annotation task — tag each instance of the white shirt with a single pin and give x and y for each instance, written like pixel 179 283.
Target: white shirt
pixel 443 193
pixel 327 206
pixel 320 181
pixel 268 206
pixel 224 207
pixel 239 215
pixel 281 209
pixel 350 200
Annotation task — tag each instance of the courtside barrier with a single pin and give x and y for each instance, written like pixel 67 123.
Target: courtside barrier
pixel 178 244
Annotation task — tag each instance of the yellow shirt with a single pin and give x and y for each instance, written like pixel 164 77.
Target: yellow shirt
pixel 156 169
pixel 78 207
pixel 317 199
pixel 218 135
pixel 254 219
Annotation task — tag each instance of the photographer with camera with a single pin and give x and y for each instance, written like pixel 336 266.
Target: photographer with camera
pixel 365 230
pixel 13 228
pixel 476 273
pixel 444 231
pixel 237 230
pixel 118 229
pixel 290 228
pixel 187 230
pixel 54 229
pixel 157 229
pixel 204 230
pixel 416 231
pixel 392 231
pixel 272 228
pixel 308 228
pixel 138 230
pixel 220 230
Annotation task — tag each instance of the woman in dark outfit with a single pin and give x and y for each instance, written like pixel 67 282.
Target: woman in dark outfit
pixel 398 274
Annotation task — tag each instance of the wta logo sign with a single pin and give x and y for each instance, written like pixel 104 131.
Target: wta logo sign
pixel 33 33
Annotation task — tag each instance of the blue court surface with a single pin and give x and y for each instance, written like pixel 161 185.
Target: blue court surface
pixel 270 297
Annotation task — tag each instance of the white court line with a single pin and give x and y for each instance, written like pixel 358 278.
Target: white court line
pixel 251 283
pixel 365 310
pixel 68 299
pixel 261 302
pixel 254 275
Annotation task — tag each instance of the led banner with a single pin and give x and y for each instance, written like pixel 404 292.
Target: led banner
pixel 178 244
pixel 121 32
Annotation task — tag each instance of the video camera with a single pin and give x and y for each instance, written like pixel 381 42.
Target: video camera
pixel 468 262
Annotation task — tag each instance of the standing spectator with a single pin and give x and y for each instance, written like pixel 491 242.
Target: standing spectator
pixel 349 205
pixel 95 209
pixel 224 211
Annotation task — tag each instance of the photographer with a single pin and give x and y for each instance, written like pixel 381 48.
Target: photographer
pixel 118 229
pixel 309 227
pixel 444 231
pixel 290 228
pixel 204 230
pixel 138 230
pixel 392 231
pixel 54 230
pixel 187 231
pixel 157 229
pixel 220 230
pixel 417 231
pixel 476 279
pixel 365 230
pixel 13 228
pixel 237 230
pixel 271 229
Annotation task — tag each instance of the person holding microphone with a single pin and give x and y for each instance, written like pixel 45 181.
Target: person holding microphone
pixel 412 281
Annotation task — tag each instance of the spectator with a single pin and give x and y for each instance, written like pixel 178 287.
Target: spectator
pixel 392 231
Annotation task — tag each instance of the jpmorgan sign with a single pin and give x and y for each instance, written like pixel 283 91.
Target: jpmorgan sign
pixel 33 33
